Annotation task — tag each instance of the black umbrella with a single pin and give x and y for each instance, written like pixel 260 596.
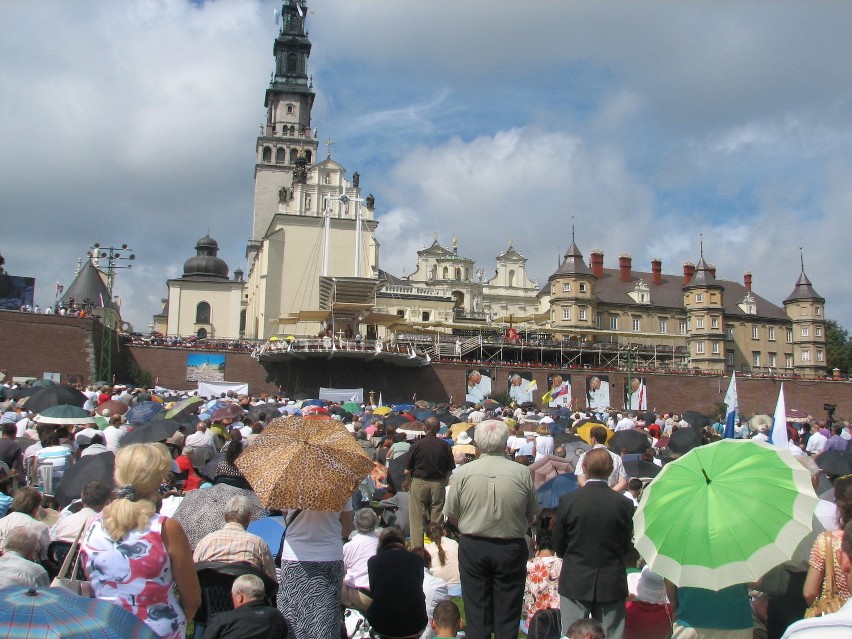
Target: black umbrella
pixel 641 468
pixel 396 421
pixel 396 471
pixel 55 395
pixel 447 418
pixel 835 462
pixel 648 418
pixel 156 431
pixel 696 419
pixel 631 440
pixel 270 410
pixel 19 393
pixel 202 511
pixel 89 468
pixel 684 440
pixel 209 470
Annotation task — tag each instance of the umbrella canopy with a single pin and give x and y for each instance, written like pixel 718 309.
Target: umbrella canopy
pixel 402 407
pixel 209 469
pixel 696 419
pixel 397 420
pixel 549 493
pixel 64 414
pixel 351 407
pixel 684 440
pixel 313 402
pixel 631 440
pixel 585 431
pixel 396 471
pixel 549 467
pixel 155 431
pixel 228 411
pixel 142 412
pixel 100 467
pixel 54 613
pixel 112 407
pixel 641 468
pixel 270 410
pixel 43 382
pixel 270 529
pixel 184 406
pixel 835 462
pixel 491 404
pixel 696 526
pixel 304 462
pixel 203 511
pixel 55 395
pixel 382 410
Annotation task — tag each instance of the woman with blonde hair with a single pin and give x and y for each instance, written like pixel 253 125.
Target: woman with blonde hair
pixel 133 556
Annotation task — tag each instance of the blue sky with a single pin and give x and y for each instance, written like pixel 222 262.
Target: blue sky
pixel 649 122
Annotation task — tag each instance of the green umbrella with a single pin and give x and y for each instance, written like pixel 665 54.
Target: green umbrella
pixel 183 406
pixel 351 407
pixel 724 514
pixel 64 414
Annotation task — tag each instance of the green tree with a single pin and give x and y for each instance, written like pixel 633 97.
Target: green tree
pixel 838 347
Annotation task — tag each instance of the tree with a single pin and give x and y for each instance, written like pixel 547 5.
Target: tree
pixel 838 347
pixel 2 262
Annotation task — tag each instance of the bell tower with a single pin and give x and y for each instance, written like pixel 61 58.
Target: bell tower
pixel 287 133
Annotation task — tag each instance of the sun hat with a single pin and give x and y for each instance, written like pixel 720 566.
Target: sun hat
pixel 651 588
pixel 464 438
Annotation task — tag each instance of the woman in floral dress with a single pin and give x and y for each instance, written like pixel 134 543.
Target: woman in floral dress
pixel 542 588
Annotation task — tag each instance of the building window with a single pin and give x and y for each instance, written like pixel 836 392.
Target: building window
pixel 770 333
pixel 425 316
pixel 681 327
pixel 716 347
pixel 788 360
pixel 755 359
pixel 789 336
pixel 699 323
pixel 663 326
pixel 400 313
pixel 714 322
pixel 202 313
pixel 566 287
pixel 699 348
pixel 755 332
pixel 699 297
pixel 280 156
pixel 637 325
pixel 566 313
pixel 806 331
pixel 817 331
pixel 730 358
pixel 817 311
pixel 772 360
pixel 267 154
pixel 729 332
pixel 289 109
pixel 582 287
pixel 806 355
pixel 326 179
pixel 582 314
pixel 598 320
pixel 819 355
pixel 613 323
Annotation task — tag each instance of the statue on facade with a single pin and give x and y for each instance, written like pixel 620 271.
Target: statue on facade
pixel 284 195
pixel 356 179
pixel 300 170
pixel 371 202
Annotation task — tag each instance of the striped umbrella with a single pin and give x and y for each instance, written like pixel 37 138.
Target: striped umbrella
pixel 54 613
pixel 143 412
pixel 64 415
pixel 183 406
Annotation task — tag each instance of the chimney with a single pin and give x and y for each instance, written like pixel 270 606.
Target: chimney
pixel 624 264
pixel 712 269
pixel 747 281
pixel 597 262
pixel 657 271
pixel 688 272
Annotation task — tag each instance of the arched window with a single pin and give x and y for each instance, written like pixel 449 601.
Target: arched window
pixel 293 155
pixel 202 313
pixel 292 63
pixel 202 333
pixel 267 154
pixel 292 131
pixel 280 156
pixel 458 273
pixel 446 272
pixel 511 278
pixel 308 157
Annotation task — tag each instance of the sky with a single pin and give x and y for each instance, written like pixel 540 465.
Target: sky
pixel 647 125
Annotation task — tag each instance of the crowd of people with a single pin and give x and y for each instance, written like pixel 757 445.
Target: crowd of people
pixel 448 532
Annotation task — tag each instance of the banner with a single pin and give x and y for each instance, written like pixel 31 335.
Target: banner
pixel 478 385
pixel 597 392
pixel 559 390
pixel 203 367
pixel 342 394
pixel 215 389
pixel 521 386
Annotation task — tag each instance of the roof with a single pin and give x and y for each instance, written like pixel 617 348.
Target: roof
pixel 609 289
pixel 435 249
pixel 511 254
pixel 804 291
pixel 88 287
pixel 573 263
pixel 703 276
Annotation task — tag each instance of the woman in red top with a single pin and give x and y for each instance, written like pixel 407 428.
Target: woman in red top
pixel 184 462
pixel 649 614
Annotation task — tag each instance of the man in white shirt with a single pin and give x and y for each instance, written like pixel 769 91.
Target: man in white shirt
pixel 625 423
pixel 618 478
pixel 96 495
pixel 816 442
pixel 200 438
pixel 838 624
pixel 17 565
pixel 356 552
pixel 113 433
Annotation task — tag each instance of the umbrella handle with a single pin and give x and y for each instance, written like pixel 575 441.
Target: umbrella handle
pixel 706 478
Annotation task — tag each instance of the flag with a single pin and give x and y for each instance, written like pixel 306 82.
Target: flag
pixel 380 399
pixel 533 385
pixel 299 9
pixel 733 407
pixel 277 15
pixel 59 289
pixel 641 398
pixel 778 435
pixel 563 389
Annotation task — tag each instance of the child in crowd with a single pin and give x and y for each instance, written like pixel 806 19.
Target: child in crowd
pixel 446 620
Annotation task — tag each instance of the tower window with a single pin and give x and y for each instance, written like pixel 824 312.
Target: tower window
pixel 566 287
pixel 425 316
pixel 308 157
pixel 292 63
pixel 202 313
pixel 293 155
pixel 566 313
pixel 280 156
pixel 582 287
pixel 806 331
pixel 289 109
pixel 699 297
pixel 818 331
pixel 267 154
pixel 582 314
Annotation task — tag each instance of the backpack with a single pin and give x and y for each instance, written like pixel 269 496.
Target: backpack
pixel 545 624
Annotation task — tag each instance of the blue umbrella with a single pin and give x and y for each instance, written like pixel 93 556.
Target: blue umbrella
pixel 143 412
pixel 270 529
pixel 398 408
pixel 549 492
pixel 313 402
pixel 54 613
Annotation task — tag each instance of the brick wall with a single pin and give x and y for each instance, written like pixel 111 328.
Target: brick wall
pixel 31 345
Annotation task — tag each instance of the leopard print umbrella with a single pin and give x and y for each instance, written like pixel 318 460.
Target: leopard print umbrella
pixel 312 463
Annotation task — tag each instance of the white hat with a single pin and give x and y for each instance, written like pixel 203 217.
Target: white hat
pixel 464 438
pixel 651 588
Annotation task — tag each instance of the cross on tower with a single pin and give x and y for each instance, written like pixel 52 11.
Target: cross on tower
pixel 329 143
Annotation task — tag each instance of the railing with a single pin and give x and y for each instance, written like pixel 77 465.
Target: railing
pixel 418 291
pixel 334 344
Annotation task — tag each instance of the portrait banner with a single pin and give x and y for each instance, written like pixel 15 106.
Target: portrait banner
pixel 521 387
pixel 478 385
pixel 597 393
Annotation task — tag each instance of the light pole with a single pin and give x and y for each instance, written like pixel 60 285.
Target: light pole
pixel 113 256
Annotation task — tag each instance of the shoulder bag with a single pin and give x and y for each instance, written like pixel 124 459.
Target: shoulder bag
pixel 70 582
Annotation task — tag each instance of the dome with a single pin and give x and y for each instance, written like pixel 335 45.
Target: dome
pixel 205 263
